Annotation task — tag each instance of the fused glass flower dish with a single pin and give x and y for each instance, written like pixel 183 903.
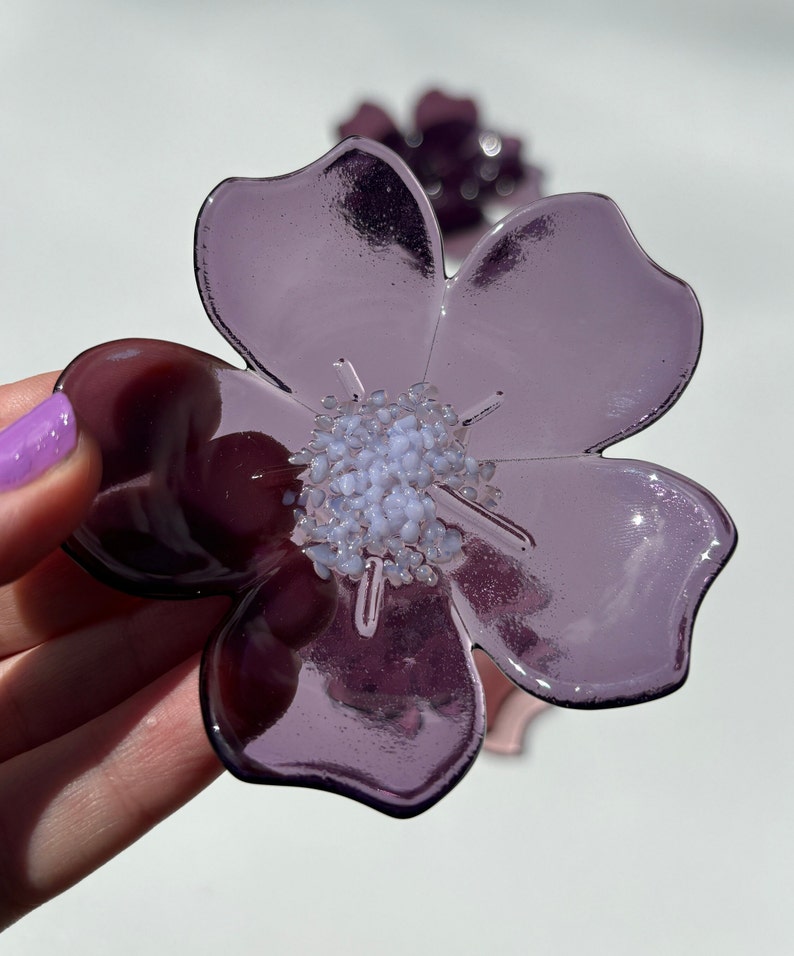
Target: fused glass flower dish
pixel 408 467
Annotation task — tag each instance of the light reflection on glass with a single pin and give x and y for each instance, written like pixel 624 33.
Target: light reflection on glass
pixel 490 143
pixel 517 666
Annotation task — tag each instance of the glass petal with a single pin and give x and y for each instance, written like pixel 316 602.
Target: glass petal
pixel 372 121
pixel 340 260
pixel 561 310
pixel 194 483
pixel 393 720
pixel 436 107
pixel 584 587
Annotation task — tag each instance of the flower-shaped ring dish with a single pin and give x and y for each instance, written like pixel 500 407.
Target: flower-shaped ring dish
pixel 408 467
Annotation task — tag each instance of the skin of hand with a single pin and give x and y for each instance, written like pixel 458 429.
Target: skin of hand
pixel 101 735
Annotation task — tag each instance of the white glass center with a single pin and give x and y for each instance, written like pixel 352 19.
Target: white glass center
pixel 370 466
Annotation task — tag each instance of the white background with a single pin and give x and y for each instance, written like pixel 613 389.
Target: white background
pixel 663 829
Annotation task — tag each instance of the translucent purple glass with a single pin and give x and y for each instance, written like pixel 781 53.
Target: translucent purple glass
pixel 578 576
pixel 471 173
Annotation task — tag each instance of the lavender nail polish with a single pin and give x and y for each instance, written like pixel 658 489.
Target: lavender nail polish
pixel 36 442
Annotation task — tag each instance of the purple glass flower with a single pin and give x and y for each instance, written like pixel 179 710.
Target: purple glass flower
pixel 372 527
pixel 471 173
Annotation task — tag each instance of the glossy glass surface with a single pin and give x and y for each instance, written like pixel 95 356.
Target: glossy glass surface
pixel 472 173
pixel 193 481
pixel 377 718
pixel 557 336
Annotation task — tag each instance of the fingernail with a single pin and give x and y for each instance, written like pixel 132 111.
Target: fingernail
pixel 37 441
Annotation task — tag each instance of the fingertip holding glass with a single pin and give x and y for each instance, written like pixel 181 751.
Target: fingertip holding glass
pixel 36 442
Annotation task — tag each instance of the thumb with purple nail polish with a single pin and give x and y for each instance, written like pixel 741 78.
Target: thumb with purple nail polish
pixel 37 441
pixel 49 473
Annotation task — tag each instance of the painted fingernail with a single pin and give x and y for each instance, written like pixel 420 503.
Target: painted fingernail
pixel 37 441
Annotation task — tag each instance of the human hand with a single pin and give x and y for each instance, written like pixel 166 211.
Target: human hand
pixel 101 735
